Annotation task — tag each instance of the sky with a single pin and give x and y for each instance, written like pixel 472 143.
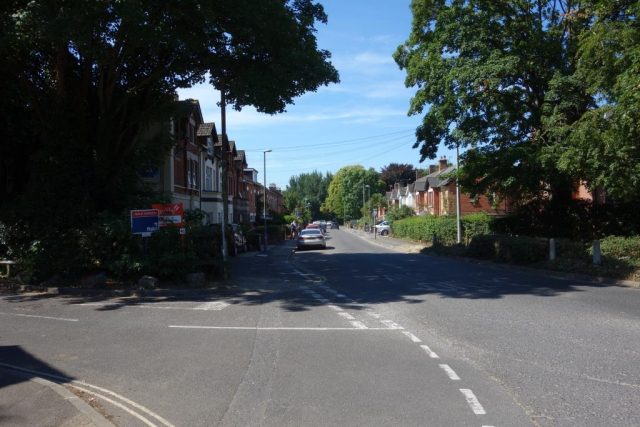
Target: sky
pixel 362 120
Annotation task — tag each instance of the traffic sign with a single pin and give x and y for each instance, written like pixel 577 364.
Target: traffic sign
pixel 144 221
pixel 375 213
pixel 298 214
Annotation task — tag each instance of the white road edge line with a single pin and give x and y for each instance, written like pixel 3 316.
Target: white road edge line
pixel 472 400
pixel 412 337
pixel 41 317
pixel 429 352
pixel 452 374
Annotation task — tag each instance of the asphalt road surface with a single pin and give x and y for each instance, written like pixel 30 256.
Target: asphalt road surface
pixel 354 335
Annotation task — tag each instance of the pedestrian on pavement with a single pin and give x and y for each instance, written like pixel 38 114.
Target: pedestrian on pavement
pixel 294 228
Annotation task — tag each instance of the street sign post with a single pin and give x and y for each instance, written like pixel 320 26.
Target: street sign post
pixel 298 214
pixel 144 222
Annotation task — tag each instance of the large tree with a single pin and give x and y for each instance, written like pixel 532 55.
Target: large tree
pixel 396 172
pixel 310 188
pixel 603 146
pixel 346 190
pixel 498 76
pixel 83 81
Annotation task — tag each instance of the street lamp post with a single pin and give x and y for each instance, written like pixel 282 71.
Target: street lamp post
pixel 264 207
pixel 369 195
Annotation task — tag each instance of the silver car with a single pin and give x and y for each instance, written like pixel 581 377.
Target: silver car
pixel 310 238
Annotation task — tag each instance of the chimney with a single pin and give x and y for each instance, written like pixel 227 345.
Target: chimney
pixel 432 169
pixel 417 174
pixel 442 163
pixel 272 187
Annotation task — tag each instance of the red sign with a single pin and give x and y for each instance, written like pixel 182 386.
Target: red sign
pixel 170 214
pixel 146 213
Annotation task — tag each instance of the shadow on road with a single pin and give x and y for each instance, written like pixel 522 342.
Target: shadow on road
pixel 372 278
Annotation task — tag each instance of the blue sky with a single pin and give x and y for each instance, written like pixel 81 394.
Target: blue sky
pixel 363 120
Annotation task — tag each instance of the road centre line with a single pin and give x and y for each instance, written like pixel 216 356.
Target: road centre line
pixel 429 352
pixel 335 307
pixel 315 295
pixel 374 314
pixel 342 296
pixel 452 374
pixel 411 336
pixel 323 300
pixel 360 327
pixel 472 400
pixel 387 277
pixel 40 317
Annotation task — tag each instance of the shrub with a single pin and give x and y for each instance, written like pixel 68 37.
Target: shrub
pixel 621 248
pixel 444 228
pixel 396 214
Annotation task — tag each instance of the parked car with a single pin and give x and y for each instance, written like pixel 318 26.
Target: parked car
pixel 311 237
pixel 383 228
pixel 313 227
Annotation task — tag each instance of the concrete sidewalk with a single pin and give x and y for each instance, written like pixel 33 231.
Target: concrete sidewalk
pixel 388 242
pixel 36 402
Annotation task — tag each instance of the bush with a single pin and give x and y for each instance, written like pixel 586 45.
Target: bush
pixel 575 219
pixel 621 248
pixel 444 228
pixel 396 214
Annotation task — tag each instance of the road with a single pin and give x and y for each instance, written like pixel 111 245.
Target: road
pixel 354 335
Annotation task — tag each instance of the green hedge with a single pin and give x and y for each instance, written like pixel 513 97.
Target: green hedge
pixel 621 248
pixel 444 228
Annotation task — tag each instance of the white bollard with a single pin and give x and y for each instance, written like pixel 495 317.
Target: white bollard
pixel 596 252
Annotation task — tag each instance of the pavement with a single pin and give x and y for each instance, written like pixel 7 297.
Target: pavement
pixel 353 335
pixel 386 241
pixel 37 402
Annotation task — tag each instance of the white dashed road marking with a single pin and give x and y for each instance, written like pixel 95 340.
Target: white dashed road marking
pixel 391 325
pixel 388 278
pixel 323 300
pixel 40 317
pixel 412 337
pixel 452 374
pixel 429 352
pixel 359 325
pixel 316 295
pixel 472 400
pixel 346 316
pixel 335 307
pixel 212 305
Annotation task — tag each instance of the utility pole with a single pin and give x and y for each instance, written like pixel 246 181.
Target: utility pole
pixel 363 206
pixel 264 174
pixel 225 172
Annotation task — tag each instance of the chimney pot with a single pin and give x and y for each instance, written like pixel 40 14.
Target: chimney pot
pixel 443 163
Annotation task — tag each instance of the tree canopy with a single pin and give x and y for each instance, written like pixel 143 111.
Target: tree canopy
pixel 526 85
pixel 82 82
pixel 311 188
pixel 345 190
pixel 396 172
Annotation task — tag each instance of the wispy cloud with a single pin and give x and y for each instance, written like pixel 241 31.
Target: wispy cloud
pixel 371 58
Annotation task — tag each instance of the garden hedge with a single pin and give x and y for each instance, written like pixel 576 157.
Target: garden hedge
pixel 423 228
